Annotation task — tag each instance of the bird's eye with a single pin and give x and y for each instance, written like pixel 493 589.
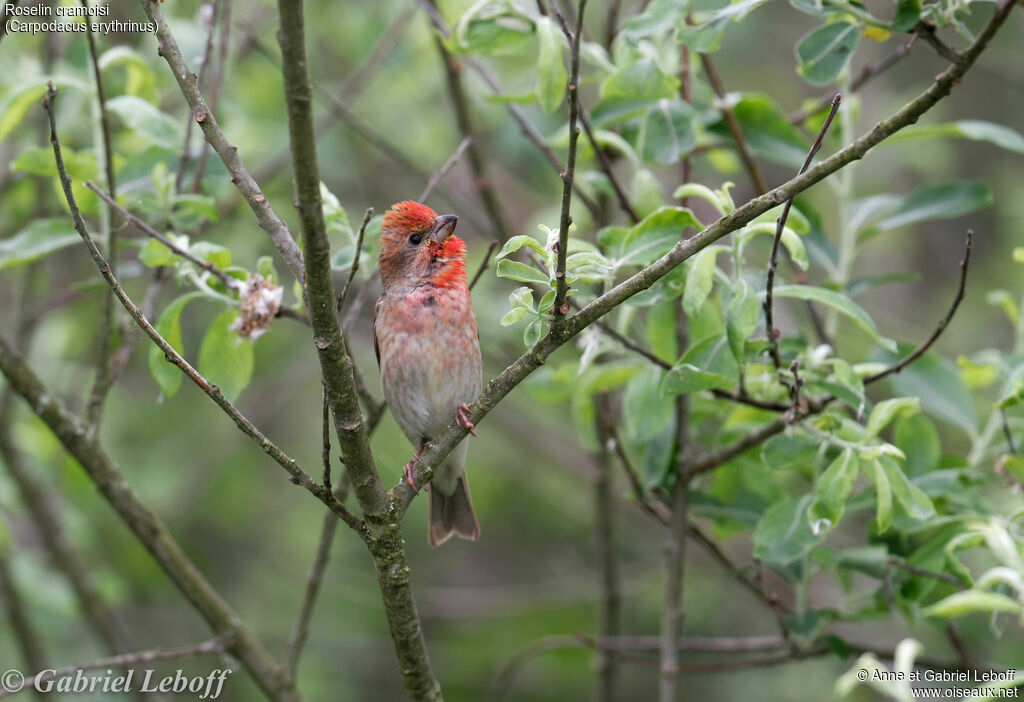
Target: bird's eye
pixel 415 239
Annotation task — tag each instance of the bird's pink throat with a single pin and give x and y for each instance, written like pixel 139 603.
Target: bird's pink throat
pixel 453 252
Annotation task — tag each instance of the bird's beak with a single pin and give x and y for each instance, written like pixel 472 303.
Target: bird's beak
pixel 444 227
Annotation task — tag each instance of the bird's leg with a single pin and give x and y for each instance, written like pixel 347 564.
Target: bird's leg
pixel 462 417
pixel 407 468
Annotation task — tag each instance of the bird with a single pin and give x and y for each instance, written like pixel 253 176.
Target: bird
pixel 428 350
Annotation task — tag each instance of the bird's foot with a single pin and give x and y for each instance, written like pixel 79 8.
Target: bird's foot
pixel 407 468
pixel 462 417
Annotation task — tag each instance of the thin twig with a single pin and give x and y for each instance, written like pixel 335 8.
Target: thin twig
pixel 773 260
pixel 217 645
pixel 733 124
pixel 561 306
pixel 299 476
pixel 606 166
pixel 484 263
pixel 1006 431
pixel 865 74
pixel 924 572
pixel 215 83
pixel 250 190
pixel 355 261
pixel 940 327
pixel 204 66
pixel 443 170
pixel 325 450
pixel 927 32
pixel 230 282
pixel 26 637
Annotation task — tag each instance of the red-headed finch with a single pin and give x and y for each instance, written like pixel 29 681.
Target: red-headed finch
pixel 428 350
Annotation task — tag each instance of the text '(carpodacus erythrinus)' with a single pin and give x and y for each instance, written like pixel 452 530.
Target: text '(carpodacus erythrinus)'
pixel 429 350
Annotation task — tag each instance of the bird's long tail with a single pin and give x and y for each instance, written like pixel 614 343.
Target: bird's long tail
pixel 452 514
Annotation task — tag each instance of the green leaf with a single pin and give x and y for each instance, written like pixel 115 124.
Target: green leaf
pixel 661 326
pixel 644 409
pixel 156 253
pixel 940 387
pixel 196 207
pixel 972 602
pixel 975 130
pixel 940 201
pixel 146 121
pixel 654 235
pixel 647 197
pixel 551 75
pixel 789 450
pixel 214 253
pixel 910 497
pixel 833 487
pixel 886 411
pixel 659 17
pixel 1013 391
pixel 667 131
pixel 741 317
pixel 641 79
pixel 40 238
pixel 919 440
pixel 225 358
pixel 784 534
pixel 139 78
pixel 824 52
pixel 767 130
pixel 883 490
pixel 168 325
pixel 840 303
pixel 533 332
pixel 704 38
pixel 490 27
pixel 707 364
pixel 17 103
pixel 518 242
pixel 699 279
pixel 522 272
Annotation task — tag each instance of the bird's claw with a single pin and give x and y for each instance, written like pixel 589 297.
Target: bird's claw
pixel 462 417
pixel 407 468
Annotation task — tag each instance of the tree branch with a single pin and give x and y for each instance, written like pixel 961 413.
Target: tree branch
pixel 268 220
pixel 26 638
pixel 484 263
pixel 773 260
pixel 355 260
pixel 606 166
pixel 746 155
pixel 443 170
pixel 534 357
pixel 940 327
pixel 561 306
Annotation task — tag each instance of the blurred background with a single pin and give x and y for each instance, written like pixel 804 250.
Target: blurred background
pixel 534 574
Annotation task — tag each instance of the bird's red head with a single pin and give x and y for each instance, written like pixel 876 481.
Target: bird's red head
pixel 418 246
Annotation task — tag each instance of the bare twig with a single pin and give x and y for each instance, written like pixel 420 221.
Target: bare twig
pixel 611 23
pixel 746 155
pixel 217 645
pixel 355 261
pixel 924 572
pixel 561 306
pixel 927 32
pixel 299 476
pixel 268 220
pixel 443 170
pixel 484 263
pixel 230 282
pixel 940 327
pixel 865 74
pixel 215 83
pixel 204 67
pixel 606 166
pixel 1006 431
pixel 773 339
